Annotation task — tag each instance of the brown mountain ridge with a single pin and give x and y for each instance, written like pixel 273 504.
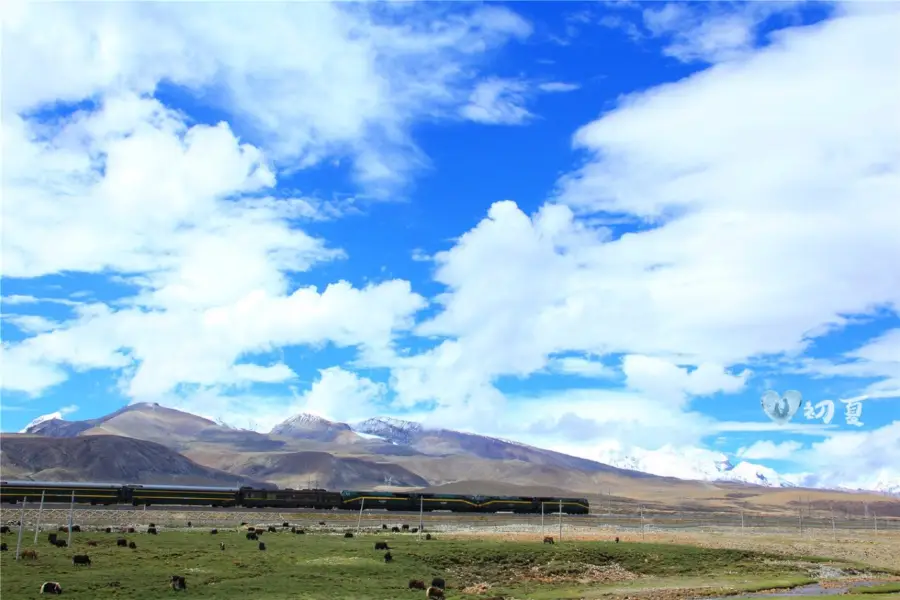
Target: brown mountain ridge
pixel 148 443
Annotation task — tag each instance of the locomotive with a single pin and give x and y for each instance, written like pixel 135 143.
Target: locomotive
pixel 13 492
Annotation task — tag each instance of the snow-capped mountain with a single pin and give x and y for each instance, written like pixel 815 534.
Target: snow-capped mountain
pixel 54 425
pixel 691 463
pixel 398 437
pixel 396 431
pixel 31 427
pixel 311 427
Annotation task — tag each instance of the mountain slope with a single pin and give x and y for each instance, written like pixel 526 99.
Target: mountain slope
pixel 446 442
pixel 106 458
pixel 297 469
pixel 152 422
pixel 438 456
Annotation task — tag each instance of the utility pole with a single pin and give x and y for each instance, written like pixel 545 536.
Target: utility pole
pixel 542 518
pixel 742 521
pixel 421 515
pixel 800 514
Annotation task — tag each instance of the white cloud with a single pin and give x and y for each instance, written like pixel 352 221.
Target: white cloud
pixel 765 449
pixel 758 236
pixel 878 358
pixel 661 379
pixel 855 458
pixel 498 102
pixel 30 323
pixel 341 395
pixel 583 367
pixel 766 179
pixel 558 86
pixel 336 394
pixel 312 79
pixel 16 299
pixel 181 211
pixel 707 32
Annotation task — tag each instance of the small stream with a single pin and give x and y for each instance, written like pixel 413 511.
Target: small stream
pixel 804 591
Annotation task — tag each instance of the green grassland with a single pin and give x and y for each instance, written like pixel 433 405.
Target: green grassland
pixel 313 566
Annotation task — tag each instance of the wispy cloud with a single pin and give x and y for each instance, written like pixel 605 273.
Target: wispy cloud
pixel 558 86
pixel 498 102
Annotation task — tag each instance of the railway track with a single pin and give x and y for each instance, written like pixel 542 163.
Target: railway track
pixel 200 516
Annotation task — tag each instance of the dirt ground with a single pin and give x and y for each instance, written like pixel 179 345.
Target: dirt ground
pixel 877 550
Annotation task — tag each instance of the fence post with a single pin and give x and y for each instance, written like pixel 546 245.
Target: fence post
pixel 359 522
pixel 71 517
pixel 37 524
pixel 560 520
pixel 21 527
pixel 642 522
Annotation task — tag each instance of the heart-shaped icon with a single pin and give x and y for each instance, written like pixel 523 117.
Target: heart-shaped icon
pixel 781 409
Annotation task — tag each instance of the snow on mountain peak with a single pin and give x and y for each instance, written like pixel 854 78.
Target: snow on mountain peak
pixel 391 429
pixel 389 423
pixel 50 417
pixel 690 463
pixel 307 421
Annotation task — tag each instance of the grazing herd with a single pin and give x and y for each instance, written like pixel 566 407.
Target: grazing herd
pixel 178 582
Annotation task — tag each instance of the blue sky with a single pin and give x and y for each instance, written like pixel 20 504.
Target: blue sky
pixel 605 228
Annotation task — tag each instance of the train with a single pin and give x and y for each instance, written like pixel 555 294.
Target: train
pixel 13 492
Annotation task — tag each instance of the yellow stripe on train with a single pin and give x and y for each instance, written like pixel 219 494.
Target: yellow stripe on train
pixel 65 496
pixel 461 500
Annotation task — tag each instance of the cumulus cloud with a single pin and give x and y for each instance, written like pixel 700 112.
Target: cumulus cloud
pixel 341 395
pixel 742 251
pixel 311 80
pixel 186 215
pixel 335 394
pixel 757 190
pixel 854 458
pixel 765 449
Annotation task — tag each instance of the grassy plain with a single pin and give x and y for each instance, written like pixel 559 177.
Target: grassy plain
pixel 321 565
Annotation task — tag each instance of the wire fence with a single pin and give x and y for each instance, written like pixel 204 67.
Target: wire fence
pixel 368 521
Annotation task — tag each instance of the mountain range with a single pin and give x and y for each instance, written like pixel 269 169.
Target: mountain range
pixel 377 453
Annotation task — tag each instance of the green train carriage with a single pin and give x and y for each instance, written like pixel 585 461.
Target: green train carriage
pixel 514 504
pixel 182 495
pixel 13 492
pixel 451 502
pixel 318 499
pixel 571 506
pixel 353 500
